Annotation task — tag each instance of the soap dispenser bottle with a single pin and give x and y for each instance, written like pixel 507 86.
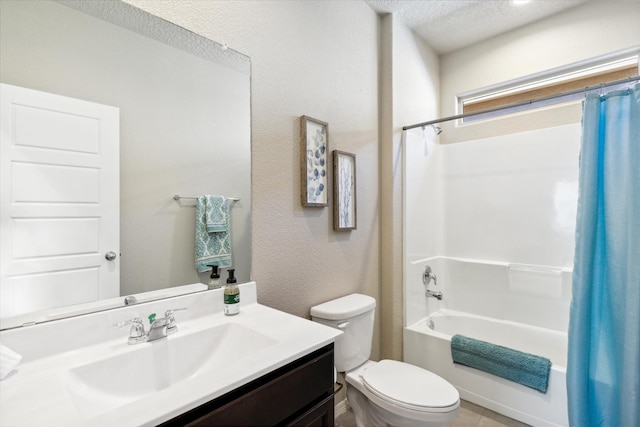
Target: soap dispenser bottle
pixel 214 280
pixel 231 295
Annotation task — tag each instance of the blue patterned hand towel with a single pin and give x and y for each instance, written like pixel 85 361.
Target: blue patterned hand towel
pixel 216 214
pixel 213 232
pixel 523 368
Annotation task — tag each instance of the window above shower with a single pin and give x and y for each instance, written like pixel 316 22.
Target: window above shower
pixel 561 85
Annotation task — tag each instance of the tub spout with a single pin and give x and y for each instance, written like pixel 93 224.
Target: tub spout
pixel 435 294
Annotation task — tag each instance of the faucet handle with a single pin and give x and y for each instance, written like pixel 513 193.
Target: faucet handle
pixel 134 322
pixel 137 333
pixel 428 275
pixel 171 325
pixel 169 313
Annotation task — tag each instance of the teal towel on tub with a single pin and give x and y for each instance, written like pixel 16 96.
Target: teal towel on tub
pixel 213 232
pixel 523 368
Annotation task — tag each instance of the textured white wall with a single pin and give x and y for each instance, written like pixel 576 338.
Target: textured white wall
pixel 410 90
pixel 316 59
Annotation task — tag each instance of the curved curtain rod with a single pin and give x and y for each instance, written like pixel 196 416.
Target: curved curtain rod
pixel 519 104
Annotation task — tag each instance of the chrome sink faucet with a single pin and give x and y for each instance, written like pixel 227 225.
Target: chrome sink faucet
pixel 158 328
pixel 427 276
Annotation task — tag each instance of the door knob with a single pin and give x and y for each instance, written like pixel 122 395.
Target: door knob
pixel 110 256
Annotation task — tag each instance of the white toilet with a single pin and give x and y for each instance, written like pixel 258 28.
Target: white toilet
pixel 385 393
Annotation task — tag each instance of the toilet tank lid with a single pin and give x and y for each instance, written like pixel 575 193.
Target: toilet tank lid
pixel 343 308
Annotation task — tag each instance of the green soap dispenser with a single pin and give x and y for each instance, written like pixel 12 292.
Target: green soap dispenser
pixel 214 280
pixel 231 295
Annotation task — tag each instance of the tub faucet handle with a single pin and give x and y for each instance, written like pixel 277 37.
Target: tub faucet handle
pixel 428 275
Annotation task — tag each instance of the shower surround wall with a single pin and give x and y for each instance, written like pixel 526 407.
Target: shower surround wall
pixel 495 220
pixel 509 199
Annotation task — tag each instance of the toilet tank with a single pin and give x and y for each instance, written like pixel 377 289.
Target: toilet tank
pixel 353 314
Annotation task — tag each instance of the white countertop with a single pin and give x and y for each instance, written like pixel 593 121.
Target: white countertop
pixel 37 395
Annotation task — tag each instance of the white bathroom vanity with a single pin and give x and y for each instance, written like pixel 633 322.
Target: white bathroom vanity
pixel 261 365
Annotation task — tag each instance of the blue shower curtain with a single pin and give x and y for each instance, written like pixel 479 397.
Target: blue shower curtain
pixel 603 368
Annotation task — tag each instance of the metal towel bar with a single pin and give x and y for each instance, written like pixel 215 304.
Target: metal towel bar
pixel 178 197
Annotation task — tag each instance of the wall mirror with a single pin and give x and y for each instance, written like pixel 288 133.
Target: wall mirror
pixel 184 128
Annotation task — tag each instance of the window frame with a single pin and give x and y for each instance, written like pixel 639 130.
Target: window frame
pixel 524 92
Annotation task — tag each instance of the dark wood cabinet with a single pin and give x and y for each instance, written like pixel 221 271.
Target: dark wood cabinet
pixel 321 415
pixel 298 394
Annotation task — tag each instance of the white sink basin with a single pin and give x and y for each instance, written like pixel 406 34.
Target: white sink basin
pixel 143 369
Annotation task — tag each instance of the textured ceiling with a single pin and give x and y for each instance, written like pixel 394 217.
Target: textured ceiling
pixel 448 25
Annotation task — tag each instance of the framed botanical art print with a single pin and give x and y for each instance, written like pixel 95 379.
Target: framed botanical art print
pixel 314 151
pixel 344 191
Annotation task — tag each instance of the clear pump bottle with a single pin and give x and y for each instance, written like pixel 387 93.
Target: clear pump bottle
pixel 231 295
pixel 214 280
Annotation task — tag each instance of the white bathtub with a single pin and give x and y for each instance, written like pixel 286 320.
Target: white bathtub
pixel 431 349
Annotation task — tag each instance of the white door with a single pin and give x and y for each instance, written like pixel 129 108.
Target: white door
pixel 59 205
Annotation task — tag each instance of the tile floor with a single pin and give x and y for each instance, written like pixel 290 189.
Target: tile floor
pixel 471 415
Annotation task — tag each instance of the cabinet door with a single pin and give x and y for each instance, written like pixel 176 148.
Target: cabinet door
pixel 321 415
pixel 300 394
pixel 275 401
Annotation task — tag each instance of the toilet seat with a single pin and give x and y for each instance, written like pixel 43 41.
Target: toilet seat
pixel 410 387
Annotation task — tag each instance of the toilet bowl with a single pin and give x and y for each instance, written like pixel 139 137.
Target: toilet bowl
pixel 399 394
pixel 388 392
